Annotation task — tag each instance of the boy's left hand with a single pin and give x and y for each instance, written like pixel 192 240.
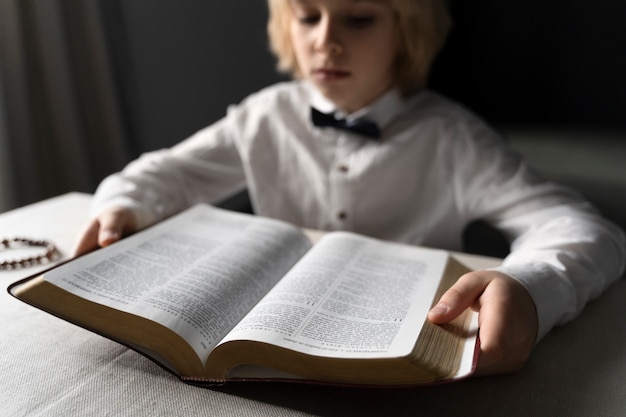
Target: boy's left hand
pixel 506 315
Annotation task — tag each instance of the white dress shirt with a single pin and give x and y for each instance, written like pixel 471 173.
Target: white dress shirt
pixel 435 168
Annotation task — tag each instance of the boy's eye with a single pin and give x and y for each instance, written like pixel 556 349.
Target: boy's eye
pixel 308 19
pixel 360 21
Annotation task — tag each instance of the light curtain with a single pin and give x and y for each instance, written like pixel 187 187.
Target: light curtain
pixel 61 124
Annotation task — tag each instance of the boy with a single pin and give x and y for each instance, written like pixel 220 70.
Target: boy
pixel 357 143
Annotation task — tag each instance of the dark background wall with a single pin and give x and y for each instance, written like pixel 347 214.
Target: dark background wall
pixel 538 62
pixel 181 63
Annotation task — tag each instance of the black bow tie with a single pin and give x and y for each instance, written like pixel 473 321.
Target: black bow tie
pixel 358 126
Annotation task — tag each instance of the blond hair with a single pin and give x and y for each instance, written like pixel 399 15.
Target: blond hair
pixel 423 27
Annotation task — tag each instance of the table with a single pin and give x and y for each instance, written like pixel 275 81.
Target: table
pixel 51 368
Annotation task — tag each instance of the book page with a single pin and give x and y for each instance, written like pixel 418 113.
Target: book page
pixel 349 297
pixel 198 273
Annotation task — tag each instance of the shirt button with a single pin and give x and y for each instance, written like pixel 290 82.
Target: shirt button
pixel 342 215
pixel 343 168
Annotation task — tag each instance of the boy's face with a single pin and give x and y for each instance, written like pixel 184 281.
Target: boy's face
pixel 346 48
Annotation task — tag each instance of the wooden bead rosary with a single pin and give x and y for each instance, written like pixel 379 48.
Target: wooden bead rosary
pixel 51 252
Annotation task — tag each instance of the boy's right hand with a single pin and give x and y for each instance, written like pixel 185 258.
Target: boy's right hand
pixel 507 317
pixel 110 226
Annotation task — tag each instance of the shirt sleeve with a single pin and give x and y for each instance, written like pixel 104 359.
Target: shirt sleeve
pixel 562 250
pixel 203 168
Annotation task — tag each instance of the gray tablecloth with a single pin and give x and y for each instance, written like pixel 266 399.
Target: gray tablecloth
pixel 51 368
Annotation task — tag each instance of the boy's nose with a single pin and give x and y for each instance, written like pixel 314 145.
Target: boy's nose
pixel 327 39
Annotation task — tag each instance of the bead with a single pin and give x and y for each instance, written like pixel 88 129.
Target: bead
pixel 50 254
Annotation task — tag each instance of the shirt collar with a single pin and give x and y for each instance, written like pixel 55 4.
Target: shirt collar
pixel 382 111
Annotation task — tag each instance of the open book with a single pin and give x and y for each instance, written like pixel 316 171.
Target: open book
pixel 215 296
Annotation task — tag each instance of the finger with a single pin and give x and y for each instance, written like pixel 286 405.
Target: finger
pixel 88 239
pixel 462 295
pixel 493 348
pixel 113 224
